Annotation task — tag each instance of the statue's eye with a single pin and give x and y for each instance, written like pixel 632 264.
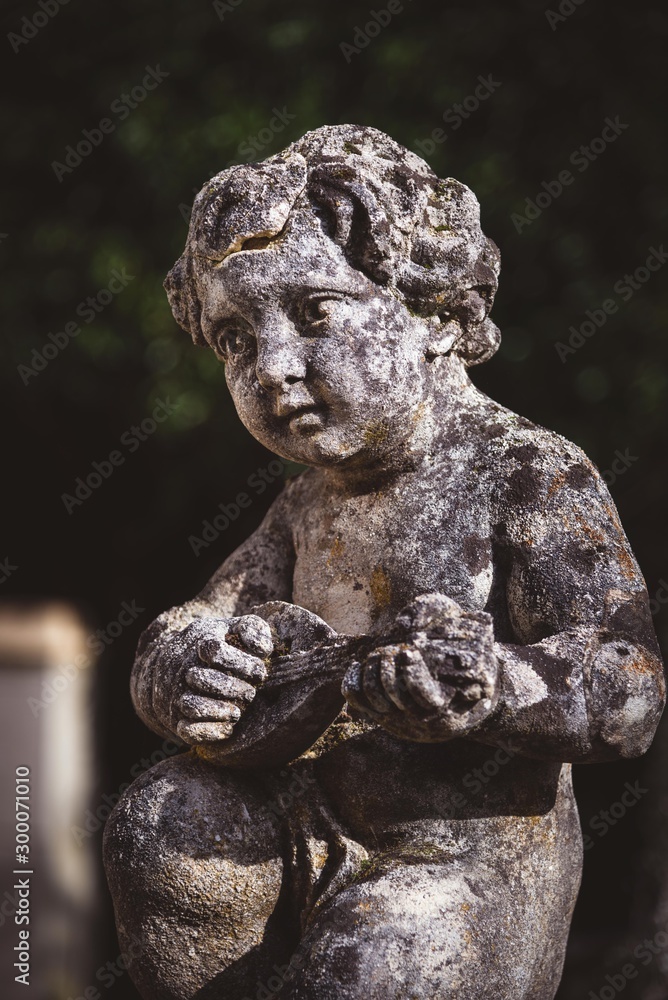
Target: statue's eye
pixel 233 339
pixel 316 312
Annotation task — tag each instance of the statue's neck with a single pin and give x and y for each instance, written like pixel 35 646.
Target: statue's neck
pixel 438 415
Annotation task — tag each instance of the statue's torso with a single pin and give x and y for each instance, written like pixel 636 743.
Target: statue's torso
pixel 359 560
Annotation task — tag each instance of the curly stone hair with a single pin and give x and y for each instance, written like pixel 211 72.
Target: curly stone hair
pixel 384 206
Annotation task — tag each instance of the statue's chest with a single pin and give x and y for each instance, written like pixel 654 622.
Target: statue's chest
pixel 360 560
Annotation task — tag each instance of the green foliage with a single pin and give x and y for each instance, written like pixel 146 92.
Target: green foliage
pixel 126 204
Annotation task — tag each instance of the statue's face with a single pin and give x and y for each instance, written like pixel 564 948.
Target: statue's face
pixel 325 367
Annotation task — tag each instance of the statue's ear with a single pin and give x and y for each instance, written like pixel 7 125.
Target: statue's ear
pixel 442 337
pixel 183 299
pixel 465 330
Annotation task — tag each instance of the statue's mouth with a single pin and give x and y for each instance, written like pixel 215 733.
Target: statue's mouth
pixel 288 403
pixel 301 412
pixel 306 419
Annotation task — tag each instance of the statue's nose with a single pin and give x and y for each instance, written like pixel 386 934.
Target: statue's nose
pixel 280 357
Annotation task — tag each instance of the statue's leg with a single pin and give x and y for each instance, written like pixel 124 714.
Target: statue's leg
pixel 193 859
pixel 462 930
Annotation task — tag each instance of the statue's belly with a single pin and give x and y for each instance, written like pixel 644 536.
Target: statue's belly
pixel 384 789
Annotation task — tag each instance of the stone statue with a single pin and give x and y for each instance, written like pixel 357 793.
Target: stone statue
pixel 384 687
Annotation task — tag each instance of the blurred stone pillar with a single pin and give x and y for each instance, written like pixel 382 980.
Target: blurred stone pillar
pixel 648 938
pixel 46 725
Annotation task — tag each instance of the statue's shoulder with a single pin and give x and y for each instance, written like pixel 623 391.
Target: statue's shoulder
pixel 529 464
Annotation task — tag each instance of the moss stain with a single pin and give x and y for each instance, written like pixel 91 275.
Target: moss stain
pixel 376 433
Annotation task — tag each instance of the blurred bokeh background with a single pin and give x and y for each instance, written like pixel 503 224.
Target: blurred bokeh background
pixel 96 371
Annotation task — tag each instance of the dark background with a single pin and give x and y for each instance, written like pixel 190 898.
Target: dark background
pixel 125 206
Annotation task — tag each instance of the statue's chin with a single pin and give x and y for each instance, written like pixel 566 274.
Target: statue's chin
pixel 318 449
pixel 308 444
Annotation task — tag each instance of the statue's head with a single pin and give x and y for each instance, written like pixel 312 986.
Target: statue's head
pixel 337 280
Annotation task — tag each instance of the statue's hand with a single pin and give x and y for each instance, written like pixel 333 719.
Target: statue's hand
pixel 281 652
pixel 223 665
pixel 437 681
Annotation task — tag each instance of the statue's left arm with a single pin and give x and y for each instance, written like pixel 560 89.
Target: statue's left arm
pixel 584 679
pixel 568 668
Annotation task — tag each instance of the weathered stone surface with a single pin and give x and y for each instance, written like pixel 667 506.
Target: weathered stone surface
pixel 385 685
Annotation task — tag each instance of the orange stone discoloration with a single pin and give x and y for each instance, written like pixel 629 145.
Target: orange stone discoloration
pixel 336 552
pixel 640 663
pixel 381 587
pixel 557 483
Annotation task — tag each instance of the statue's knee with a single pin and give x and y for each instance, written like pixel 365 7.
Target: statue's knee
pixel 193 859
pixel 415 931
pixel 186 834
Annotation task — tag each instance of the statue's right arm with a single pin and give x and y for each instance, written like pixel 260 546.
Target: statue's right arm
pixel 259 570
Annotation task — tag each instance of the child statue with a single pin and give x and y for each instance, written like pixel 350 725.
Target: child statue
pixel 384 687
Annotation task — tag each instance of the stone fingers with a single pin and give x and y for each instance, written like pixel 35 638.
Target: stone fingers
pixel 197 707
pixel 254 633
pixel 206 680
pixel 218 653
pixel 371 682
pixel 363 689
pixel 407 680
pixel 203 732
pixel 416 681
pixel 394 678
pixel 208 720
pixel 352 689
